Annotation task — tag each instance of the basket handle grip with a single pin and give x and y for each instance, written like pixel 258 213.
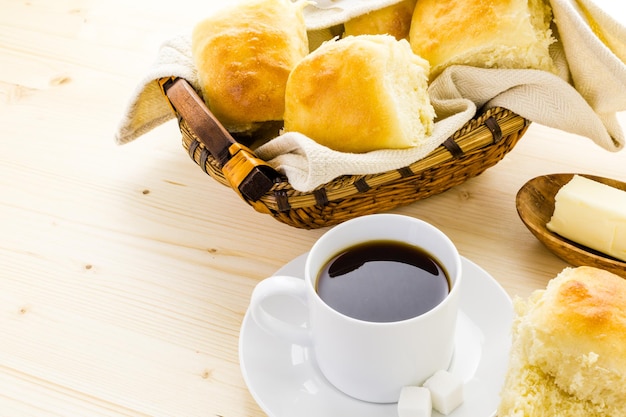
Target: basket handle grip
pixel 247 174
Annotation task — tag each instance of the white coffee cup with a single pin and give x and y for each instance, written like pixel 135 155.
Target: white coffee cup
pixel 370 361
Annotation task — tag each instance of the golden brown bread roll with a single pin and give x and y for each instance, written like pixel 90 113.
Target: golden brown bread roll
pixel 569 349
pixel 394 20
pixel 244 55
pixel 359 94
pixel 483 33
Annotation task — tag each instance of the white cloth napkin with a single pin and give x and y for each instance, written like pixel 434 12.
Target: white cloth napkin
pixel 583 99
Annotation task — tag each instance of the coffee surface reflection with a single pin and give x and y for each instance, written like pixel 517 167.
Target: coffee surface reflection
pixel 383 281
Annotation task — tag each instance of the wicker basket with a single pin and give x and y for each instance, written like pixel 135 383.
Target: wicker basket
pixel 480 144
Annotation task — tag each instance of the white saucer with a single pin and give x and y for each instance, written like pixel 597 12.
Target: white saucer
pixel 284 379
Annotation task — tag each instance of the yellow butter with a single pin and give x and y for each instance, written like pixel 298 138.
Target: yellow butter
pixel 591 214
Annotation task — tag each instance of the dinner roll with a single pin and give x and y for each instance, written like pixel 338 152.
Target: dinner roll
pixel 394 20
pixel 569 349
pixel 244 55
pixel 359 94
pixel 483 33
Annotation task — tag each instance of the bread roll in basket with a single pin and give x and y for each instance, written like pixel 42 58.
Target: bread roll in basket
pixel 228 156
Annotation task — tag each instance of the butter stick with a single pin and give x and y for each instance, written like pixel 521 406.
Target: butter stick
pixel 591 214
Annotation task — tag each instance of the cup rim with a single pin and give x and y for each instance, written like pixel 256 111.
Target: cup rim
pixel 455 283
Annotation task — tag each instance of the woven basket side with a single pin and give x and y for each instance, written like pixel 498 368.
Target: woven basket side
pixel 479 144
pixel 385 197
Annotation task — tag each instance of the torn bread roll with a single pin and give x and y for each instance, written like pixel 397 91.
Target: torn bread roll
pixel 244 55
pixel 359 94
pixel 394 20
pixel 568 356
pixel 483 33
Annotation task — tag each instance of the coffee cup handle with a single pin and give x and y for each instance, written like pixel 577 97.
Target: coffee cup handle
pixel 279 285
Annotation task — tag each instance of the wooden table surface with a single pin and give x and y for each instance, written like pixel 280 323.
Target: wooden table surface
pixel 125 271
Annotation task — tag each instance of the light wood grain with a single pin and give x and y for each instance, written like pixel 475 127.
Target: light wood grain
pixel 125 271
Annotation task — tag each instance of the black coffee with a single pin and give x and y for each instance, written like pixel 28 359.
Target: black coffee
pixel 383 281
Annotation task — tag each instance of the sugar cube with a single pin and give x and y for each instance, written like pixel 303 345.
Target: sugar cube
pixel 414 402
pixel 446 391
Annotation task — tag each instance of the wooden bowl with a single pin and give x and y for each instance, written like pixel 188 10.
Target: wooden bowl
pixel 535 206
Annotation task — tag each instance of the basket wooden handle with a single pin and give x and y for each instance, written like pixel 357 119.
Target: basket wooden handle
pixel 250 176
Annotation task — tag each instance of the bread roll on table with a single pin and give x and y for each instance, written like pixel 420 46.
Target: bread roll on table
pixel 359 94
pixel 569 349
pixel 483 33
pixel 244 55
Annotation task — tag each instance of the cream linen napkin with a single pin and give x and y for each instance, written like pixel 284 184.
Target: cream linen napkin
pixel 583 99
pixel 148 107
